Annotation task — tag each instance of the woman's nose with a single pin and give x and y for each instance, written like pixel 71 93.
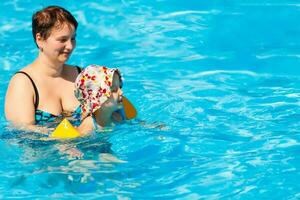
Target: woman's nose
pixel 70 44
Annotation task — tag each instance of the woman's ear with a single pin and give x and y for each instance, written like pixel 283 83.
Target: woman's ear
pixel 39 39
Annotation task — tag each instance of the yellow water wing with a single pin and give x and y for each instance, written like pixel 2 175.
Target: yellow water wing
pixel 65 130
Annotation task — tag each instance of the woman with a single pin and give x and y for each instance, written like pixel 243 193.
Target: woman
pixel 44 90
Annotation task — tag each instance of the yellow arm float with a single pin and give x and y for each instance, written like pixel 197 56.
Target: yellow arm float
pixel 129 109
pixel 65 129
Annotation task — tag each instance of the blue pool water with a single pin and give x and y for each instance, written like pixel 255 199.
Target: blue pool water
pixel 217 83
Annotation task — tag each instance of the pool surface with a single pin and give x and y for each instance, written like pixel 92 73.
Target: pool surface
pixel 217 84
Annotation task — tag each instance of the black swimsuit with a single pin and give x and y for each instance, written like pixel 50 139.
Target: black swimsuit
pixel 43 117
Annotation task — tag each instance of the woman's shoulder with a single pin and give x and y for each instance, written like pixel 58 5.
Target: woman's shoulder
pixel 73 68
pixel 20 85
pixel 21 77
pixel 71 72
pixel 24 80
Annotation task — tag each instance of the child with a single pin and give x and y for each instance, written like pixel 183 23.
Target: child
pixel 98 89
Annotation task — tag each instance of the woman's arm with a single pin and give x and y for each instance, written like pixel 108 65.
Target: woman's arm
pixel 19 101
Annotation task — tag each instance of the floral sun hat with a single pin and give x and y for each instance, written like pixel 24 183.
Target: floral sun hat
pixel 93 87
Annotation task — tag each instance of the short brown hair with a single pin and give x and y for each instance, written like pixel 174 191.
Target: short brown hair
pixel 44 20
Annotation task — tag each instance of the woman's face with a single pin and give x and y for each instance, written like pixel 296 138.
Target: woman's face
pixel 60 44
pixel 114 102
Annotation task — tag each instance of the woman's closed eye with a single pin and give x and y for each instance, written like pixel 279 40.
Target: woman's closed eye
pixel 64 39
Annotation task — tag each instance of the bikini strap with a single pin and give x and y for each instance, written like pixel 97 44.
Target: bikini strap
pixel 78 69
pixel 34 87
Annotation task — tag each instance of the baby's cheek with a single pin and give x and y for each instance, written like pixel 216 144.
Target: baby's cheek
pixel 115 96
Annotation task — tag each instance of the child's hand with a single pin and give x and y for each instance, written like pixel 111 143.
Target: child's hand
pixel 117 117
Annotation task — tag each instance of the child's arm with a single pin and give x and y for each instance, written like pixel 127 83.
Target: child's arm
pixel 86 126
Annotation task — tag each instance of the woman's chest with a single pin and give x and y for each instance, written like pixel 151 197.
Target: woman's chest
pixel 57 96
